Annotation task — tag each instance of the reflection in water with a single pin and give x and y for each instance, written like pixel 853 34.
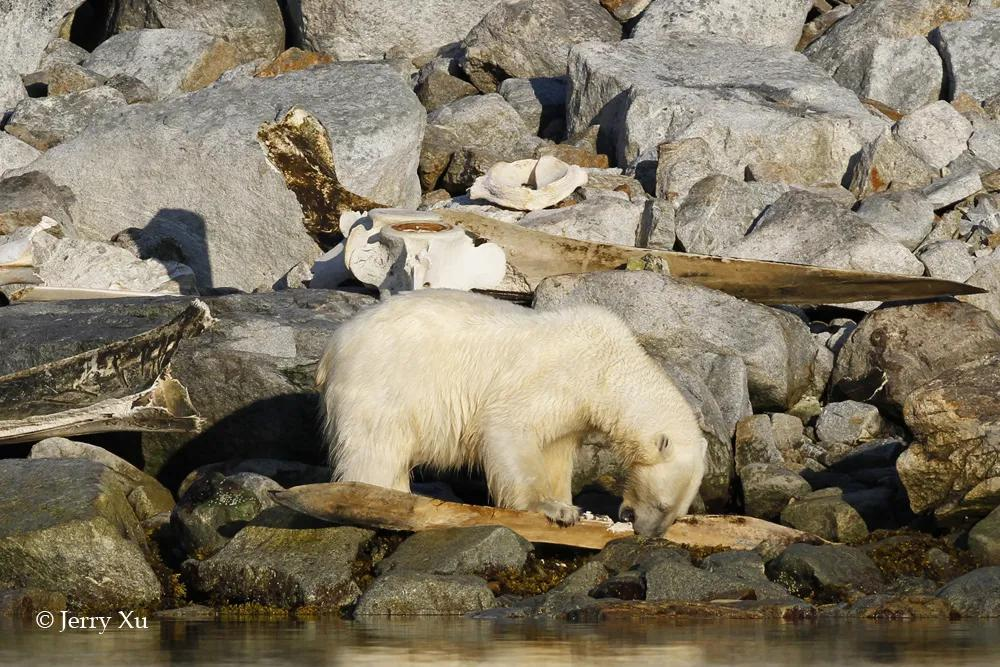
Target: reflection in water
pixel 440 641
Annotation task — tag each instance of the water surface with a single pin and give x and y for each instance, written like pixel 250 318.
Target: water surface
pixel 438 641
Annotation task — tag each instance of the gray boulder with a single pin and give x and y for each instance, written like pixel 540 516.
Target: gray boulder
pixel 484 124
pixel 12 89
pixel 760 23
pixel 541 102
pixel 356 29
pixel 756 442
pixel 26 198
pixel 936 133
pixel 804 228
pixel 253 27
pixel 888 164
pixel 601 217
pixel 61 50
pixel 969 49
pixel 826 514
pixel 849 422
pixel 880 50
pixel 284 567
pixel 949 259
pixel 63 78
pixel 768 488
pixel 897 350
pixel 148 164
pixel 987 276
pixel 168 61
pixel 49 121
pixel 81 537
pixel 475 550
pixel 436 85
pixel 748 568
pixel 751 106
pixel 905 217
pixel 15 154
pixel 419 594
pixel 145 495
pixel 984 539
pixel 681 582
pixel 719 210
pixel 26 28
pixel 679 322
pixel 955 420
pixel 532 38
pixel 976 594
pixel 827 572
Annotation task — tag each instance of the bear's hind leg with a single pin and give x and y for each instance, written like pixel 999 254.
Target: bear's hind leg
pixel 518 477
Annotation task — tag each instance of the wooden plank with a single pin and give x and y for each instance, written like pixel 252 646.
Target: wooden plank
pixel 357 504
pixel 538 255
pixel 55 293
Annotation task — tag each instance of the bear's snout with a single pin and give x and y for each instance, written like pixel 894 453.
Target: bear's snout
pixel 627 514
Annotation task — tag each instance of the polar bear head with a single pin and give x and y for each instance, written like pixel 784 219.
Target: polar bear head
pixel 656 494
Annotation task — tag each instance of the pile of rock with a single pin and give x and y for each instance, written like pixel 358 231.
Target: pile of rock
pixel 850 135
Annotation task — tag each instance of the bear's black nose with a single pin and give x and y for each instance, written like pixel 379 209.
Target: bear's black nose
pixel 627 514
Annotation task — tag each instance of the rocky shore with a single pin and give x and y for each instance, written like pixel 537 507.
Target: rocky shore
pixel 140 154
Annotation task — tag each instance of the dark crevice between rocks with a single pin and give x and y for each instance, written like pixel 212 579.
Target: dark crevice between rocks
pixel 92 23
pixel 544 569
pixel 363 567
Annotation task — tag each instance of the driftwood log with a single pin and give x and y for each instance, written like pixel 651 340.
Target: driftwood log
pixel 537 255
pixel 121 386
pixel 357 504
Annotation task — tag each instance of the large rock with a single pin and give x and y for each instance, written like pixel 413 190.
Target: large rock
pixel 482 124
pixel 532 38
pixel 905 217
pixel 753 107
pixel 418 594
pixel 761 23
pixel 955 419
pixel 896 350
pixel 67 526
pixel 284 567
pixel 806 228
pixel 826 514
pixel 540 101
pixel 880 50
pixel 719 210
pixel 827 572
pixel 849 422
pixel 682 582
pixel 984 539
pixel 680 322
pixel 354 29
pixel 253 27
pixel 747 567
pixel 26 198
pixel 476 550
pixel 149 166
pixel 971 52
pixel 168 61
pixel 936 133
pixel 976 594
pixel 49 121
pixel 768 488
pixel 604 218
pixel 251 376
pixel 14 153
pixel 12 89
pixel 26 28
pixel 146 496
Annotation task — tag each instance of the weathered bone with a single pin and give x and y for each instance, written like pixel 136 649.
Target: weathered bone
pixel 529 185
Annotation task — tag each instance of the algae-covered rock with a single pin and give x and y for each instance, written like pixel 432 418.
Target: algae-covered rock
pixel 976 594
pixel 826 514
pixel 284 567
pixel 473 550
pixel 66 526
pixel 825 572
pixel 416 594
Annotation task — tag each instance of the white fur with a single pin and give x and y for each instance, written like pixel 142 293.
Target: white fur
pixel 451 379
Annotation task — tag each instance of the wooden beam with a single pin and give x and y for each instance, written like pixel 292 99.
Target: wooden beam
pixel 357 504
pixel 538 255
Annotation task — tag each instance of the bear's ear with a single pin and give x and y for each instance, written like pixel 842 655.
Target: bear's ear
pixel 662 442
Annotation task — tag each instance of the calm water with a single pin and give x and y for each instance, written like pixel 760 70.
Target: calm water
pixel 461 642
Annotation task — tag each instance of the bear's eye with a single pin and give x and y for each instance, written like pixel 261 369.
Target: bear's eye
pixel 663 508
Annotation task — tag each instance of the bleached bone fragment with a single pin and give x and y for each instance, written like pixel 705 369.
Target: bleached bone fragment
pixel 529 185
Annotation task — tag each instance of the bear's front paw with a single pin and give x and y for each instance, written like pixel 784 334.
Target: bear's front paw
pixel 560 513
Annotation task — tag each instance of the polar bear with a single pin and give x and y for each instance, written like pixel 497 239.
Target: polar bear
pixel 452 379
